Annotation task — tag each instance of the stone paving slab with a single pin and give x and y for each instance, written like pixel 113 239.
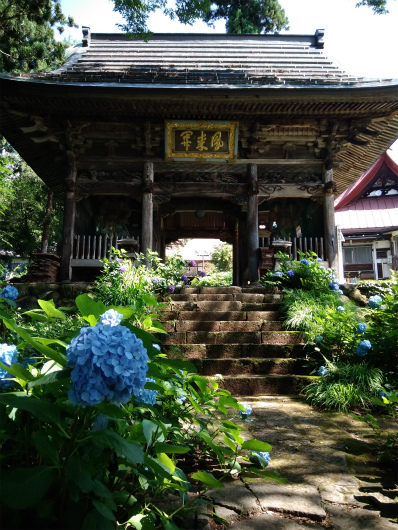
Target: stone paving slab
pixel 344 518
pixel 237 497
pixel 273 522
pixel 300 500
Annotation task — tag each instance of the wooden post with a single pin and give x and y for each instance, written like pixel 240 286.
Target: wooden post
pixel 147 208
pixel 235 256
pixel 65 272
pixel 252 223
pixel 328 214
pixel 47 222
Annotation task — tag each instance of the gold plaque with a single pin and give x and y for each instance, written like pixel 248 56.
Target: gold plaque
pixel 201 140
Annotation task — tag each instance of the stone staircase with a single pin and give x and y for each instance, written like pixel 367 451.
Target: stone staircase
pixel 236 332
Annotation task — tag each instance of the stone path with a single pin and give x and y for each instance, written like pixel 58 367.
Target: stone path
pixel 334 482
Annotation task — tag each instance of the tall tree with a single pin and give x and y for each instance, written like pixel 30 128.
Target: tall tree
pixel 27 42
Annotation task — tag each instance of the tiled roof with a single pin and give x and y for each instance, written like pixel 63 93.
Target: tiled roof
pixel 204 60
pixel 374 212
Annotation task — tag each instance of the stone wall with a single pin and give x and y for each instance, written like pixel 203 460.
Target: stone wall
pixel 63 293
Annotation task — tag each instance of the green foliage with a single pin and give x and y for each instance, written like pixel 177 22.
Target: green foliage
pixel 27 42
pixel 110 465
pixel 221 257
pixel 213 279
pixel 345 387
pixel 378 287
pixel 378 6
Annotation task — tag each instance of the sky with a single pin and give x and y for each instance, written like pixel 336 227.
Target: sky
pixel 362 43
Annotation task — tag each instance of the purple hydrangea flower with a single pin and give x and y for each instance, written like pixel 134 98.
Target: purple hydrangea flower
pixel 192 263
pixel 248 409
pixel 304 261
pixel 340 308
pixel 202 273
pixel 109 362
pixel 9 292
pixel 322 371
pixel 111 318
pixel 375 300
pixel 8 356
pixel 122 268
pixel 155 280
pixel 184 278
pixel 171 288
pixel 361 327
pixel 290 273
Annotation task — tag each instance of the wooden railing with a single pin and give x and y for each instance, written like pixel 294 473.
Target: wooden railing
pixel 88 251
pixel 305 244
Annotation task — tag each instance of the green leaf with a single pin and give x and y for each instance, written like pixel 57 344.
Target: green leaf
pixel 124 498
pixel 159 469
pixel 52 377
pixel 166 461
pixel 104 510
pixel 177 364
pixel 87 306
pixel 132 452
pixel 18 371
pixel 152 431
pixel 24 487
pixel 42 410
pixel 77 471
pixel 113 411
pixel 208 480
pixel 268 474
pixel 141 522
pixel 168 524
pixel 35 316
pixel 256 445
pixel 50 310
pixel 127 312
pixel 160 447
pixel 46 448
pixel 42 348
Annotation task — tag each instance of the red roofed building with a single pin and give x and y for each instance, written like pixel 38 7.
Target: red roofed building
pixel 367 215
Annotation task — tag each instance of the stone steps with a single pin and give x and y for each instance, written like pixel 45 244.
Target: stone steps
pixel 236 332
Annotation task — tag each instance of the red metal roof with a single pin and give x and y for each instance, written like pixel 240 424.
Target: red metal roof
pixel 356 189
pixel 373 212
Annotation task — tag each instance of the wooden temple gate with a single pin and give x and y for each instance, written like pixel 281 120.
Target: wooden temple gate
pixel 235 137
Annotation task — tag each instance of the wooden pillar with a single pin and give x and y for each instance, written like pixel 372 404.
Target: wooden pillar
pixel 252 223
pixel 68 231
pixel 147 209
pixel 47 222
pixel 235 256
pixel 328 214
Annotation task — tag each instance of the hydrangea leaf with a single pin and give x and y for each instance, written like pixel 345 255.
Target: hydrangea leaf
pixel 18 371
pixel 127 312
pixel 104 510
pixel 208 480
pixel 87 306
pixel 168 524
pixel 24 487
pixel 152 431
pixel 166 461
pixel 50 309
pixel 46 448
pixel 141 522
pixel 131 451
pixel 256 445
pixel 34 315
pixel 160 447
pixel 42 410
pixel 52 377
pixel 178 364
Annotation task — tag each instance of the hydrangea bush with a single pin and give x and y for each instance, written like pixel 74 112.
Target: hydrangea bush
pixel 95 428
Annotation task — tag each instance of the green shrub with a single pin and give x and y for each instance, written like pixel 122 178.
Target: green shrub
pixel 214 279
pixel 346 386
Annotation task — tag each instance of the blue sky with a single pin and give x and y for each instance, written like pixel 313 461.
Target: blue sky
pixel 363 43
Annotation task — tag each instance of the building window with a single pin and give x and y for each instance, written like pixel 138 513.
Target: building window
pixel 353 255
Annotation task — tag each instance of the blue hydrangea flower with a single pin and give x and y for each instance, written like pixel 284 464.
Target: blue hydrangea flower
pixel 111 318
pixel 334 286
pixel 9 292
pixel 171 289
pixel 322 371
pixel 305 261
pixel 319 338
pixel 363 348
pixel 100 422
pixel 340 308
pixel 8 356
pixel 375 300
pixel 340 291
pixel 384 394
pixel 202 273
pixel 147 395
pixel 109 362
pixel 184 278
pixel 192 263
pixel 290 273
pixel 181 398
pixel 361 327
pixel 278 273
pixel 262 454
pixel 248 409
pixel 319 260
pixel 156 346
